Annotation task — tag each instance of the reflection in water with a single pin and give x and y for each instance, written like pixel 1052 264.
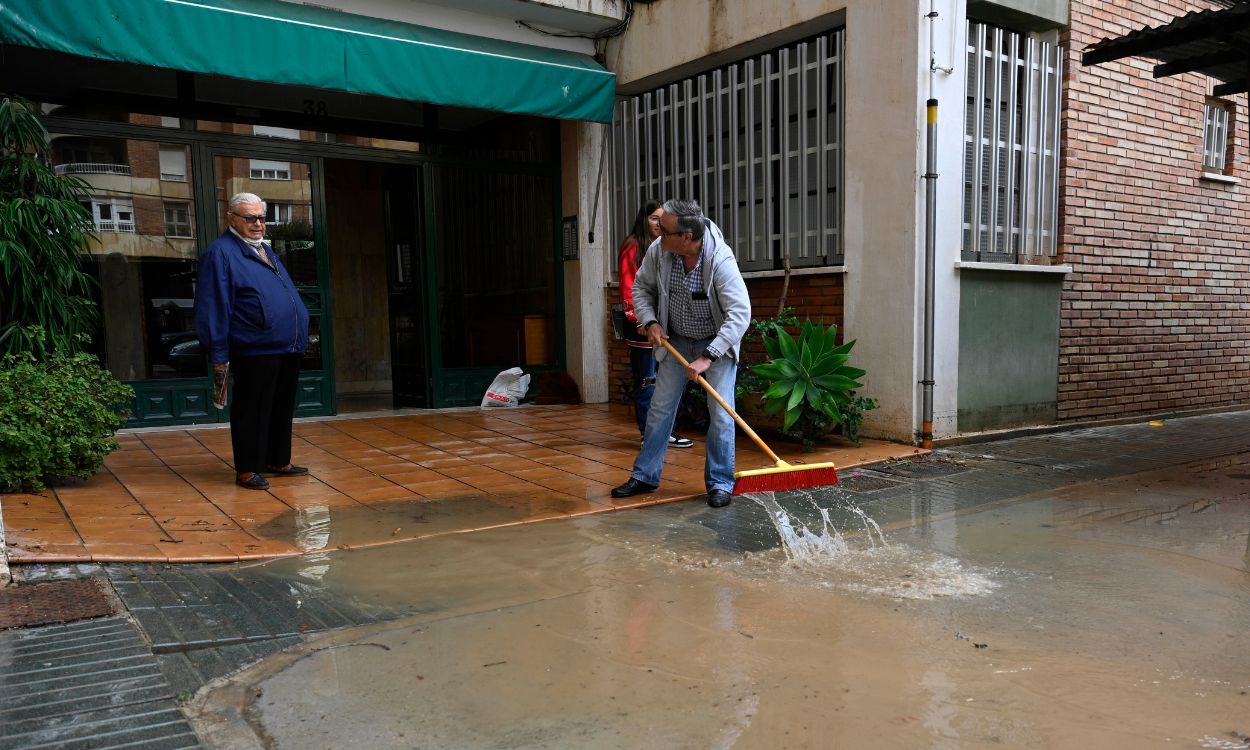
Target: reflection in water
pixel 312 533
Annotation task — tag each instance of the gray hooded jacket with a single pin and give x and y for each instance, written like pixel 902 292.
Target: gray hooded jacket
pixel 726 291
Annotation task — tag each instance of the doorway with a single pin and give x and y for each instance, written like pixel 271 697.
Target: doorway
pixel 375 232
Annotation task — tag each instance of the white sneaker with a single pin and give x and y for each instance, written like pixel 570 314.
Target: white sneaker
pixel 677 441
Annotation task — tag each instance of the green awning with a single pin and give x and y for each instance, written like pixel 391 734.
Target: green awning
pixel 268 40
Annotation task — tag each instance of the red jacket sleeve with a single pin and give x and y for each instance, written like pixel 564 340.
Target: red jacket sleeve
pixel 626 272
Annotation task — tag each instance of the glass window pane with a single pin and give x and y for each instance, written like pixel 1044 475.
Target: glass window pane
pixel 146 274
pixel 288 210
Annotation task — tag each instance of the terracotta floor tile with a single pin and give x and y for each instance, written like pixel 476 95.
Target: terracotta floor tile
pixel 40 536
pixel 90 509
pixel 261 548
pixel 199 505
pixel 49 553
pixel 392 493
pixel 345 473
pixel 236 535
pixel 221 522
pixel 122 552
pixel 443 489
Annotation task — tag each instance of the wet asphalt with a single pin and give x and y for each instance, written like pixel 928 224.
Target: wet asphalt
pixel 119 681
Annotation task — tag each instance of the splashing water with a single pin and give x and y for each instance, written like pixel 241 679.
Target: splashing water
pixel 803 544
pixel 820 555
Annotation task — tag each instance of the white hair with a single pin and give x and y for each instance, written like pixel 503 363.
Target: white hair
pixel 240 199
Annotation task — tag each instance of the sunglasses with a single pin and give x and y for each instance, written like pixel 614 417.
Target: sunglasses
pixel 257 219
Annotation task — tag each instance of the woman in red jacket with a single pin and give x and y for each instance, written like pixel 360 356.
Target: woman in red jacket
pixel 645 230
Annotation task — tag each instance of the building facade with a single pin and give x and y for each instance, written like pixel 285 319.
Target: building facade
pixel 1011 239
pixel 1085 226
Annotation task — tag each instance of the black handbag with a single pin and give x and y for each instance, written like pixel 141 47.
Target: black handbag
pixel 620 324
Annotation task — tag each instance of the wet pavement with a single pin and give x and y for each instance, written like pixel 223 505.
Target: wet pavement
pixel 169 495
pixel 1082 589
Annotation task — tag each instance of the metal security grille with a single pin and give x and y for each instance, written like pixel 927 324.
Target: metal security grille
pixel 758 145
pixel 1215 137
pixel 1011 147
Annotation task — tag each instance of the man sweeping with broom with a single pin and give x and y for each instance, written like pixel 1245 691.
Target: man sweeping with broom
pixel 690 296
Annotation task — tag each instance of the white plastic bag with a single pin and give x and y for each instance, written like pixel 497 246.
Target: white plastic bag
pixel 508 388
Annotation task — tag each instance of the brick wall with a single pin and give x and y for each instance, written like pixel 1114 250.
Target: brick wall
pixel 1155 317
pixel 815 297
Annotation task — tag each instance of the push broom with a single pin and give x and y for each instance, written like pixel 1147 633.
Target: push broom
pixel 782 476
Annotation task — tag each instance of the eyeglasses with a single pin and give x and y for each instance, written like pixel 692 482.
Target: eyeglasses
pixel 665 233
pixel 257 219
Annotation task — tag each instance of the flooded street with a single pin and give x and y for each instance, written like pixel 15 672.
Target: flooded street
pixel 1106 614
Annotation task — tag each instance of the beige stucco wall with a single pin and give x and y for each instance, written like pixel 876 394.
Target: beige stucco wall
pixel 887 79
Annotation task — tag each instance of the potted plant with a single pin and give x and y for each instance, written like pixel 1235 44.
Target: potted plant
pixel 58 415
pixel 809 385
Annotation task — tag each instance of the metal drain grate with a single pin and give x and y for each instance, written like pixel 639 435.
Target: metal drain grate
pixel 55 601
pixel 862 481
pixel 921 468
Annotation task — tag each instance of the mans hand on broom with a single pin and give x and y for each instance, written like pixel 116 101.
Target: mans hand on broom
pixel 656 334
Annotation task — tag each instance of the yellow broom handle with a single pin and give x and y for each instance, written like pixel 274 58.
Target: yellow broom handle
pixel 712 392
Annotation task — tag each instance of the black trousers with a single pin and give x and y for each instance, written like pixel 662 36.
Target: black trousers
pixel 264 404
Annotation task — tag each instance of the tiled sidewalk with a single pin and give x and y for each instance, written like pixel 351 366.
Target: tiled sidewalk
pixel 169 496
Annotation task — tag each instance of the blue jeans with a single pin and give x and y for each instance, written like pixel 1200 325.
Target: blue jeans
pixel 642 366
pixel 670 382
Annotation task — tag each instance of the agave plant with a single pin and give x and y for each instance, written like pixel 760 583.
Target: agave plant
pixel 809 380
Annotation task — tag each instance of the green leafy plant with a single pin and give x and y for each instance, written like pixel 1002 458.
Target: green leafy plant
pixel 753 345
pixel 810 382
pixel 44 228
pixel 853 415
pixel 58 416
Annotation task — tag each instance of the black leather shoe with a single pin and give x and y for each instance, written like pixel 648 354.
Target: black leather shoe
pixel 252 481
pixel 631 488
pixel 718 498
pixel 290 470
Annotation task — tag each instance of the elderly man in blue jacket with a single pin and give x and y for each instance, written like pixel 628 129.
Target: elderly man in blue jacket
pixel 689 290
pixel 251 321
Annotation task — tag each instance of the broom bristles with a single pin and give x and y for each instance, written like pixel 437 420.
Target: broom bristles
pixel 785 477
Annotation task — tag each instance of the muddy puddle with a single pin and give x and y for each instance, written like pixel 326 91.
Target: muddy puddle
pixel 1110 614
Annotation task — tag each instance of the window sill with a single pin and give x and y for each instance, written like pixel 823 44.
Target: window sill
pixel 1025 267
pixel 1217 177
pixel 819 271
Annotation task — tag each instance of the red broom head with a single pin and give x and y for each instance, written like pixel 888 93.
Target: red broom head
pixel 789 478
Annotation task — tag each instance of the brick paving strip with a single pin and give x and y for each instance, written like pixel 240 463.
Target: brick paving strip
pixel 90 684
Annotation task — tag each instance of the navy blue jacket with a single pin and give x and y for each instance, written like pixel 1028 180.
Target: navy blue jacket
pixel 244 308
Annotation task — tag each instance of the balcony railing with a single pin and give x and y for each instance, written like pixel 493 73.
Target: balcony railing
pixel 115 226
pixel 92 168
